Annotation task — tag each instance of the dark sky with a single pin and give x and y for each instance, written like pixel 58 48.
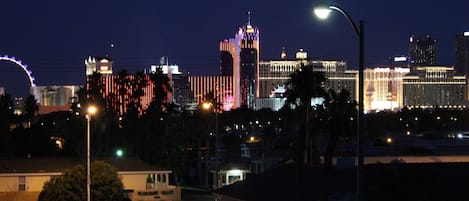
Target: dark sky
pixel 53 37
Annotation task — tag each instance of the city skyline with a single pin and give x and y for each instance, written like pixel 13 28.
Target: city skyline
pixel 53 38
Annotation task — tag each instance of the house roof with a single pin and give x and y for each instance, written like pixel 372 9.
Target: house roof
pixel 288 182
pixel 49 165
pixel 395 181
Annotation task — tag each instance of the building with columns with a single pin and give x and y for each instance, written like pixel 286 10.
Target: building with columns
pixel 383 88
pixel 434 86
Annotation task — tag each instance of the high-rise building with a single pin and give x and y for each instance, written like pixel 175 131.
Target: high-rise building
pixel 101 65
pixel 274 74
pixel 240 59
pixel 462 53
pixel 220 88
pixel 181 94
pixel 434 86
pixel 120 95
pixel 422 51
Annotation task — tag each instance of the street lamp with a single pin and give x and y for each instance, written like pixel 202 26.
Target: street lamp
pixel 322 11
pixel 208 106
pixel 90 111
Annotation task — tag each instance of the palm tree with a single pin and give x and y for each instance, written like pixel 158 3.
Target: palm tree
pixel 161 89
pixel 305 84
pixel 123 85
pixel 138 84
pixel 155 126
pixel 339 109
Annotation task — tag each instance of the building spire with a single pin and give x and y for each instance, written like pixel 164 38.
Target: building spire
pixel 249 18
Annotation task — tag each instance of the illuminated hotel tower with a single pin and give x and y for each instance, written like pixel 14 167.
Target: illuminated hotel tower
pixel 422 51
pixel 240 59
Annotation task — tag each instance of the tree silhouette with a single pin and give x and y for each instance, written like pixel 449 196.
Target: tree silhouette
pixel 31 107
pixel 303 85
pixel 123 85
pixel 6 119
pixel 106 184
pixel 339 108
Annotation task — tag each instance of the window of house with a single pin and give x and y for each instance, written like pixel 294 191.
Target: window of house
pixel 22 183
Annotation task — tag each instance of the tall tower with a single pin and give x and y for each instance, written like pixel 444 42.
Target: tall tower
pixel 422 51
pixel 462 53
pixel 101 65
pixel 240 59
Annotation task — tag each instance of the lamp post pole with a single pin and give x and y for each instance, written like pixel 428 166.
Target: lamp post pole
pixel 90 111
pixel 322 11
pixel 88 165
pixel 217 149
pixel 361 125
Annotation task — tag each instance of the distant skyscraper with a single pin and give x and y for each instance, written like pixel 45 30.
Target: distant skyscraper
pixel 240 59
pixel 422 51
pixel 462 53
pixel 102 65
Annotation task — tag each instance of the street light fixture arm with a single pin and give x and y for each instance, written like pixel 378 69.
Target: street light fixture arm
pixel 349 19
pixel 322 11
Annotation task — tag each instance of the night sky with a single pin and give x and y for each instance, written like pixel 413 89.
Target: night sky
pixel 54 37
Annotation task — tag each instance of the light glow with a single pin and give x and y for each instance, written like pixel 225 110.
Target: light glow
pixel 322 12
pixel 92 110
pixel 119 153
pixel 234 172
pixel 389 140
pixel 466 33
pixel 206 105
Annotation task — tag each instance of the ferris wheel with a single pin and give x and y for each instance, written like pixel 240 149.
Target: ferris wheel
pixel 23 66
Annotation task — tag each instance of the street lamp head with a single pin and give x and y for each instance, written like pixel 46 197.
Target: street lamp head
pixel 322 11
pixel 92 110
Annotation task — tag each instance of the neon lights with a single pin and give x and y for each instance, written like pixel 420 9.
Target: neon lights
pixel 24 67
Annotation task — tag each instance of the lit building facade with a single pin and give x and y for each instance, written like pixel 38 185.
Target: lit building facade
pixel 383 88
pixel 434 86
pixel 55 95
pixel 422 51
pixel 101 65
pixel 54 98
pixel 240 59
pixel 220 86
pixel 111 89
pixel 462 54
pixel 275 73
